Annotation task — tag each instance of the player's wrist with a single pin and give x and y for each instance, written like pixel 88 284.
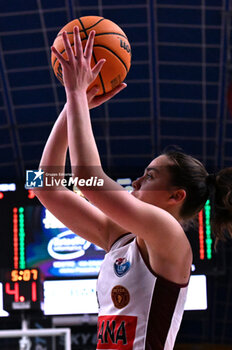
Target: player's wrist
pixel 76 93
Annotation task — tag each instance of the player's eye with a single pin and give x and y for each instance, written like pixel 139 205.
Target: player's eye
pixel 148 175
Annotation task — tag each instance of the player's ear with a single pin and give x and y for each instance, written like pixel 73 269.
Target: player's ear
pixel 178 196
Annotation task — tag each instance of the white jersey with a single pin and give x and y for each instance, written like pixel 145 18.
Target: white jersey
pixel 138 310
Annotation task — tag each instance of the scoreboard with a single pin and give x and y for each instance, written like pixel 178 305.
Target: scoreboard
pixel 22 289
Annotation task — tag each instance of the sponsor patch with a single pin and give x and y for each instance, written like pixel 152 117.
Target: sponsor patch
pixel 116 332
pixel 121 267
pixel 120 297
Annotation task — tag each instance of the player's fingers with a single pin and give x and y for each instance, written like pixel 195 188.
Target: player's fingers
pixel 97 68
pixel 68 47
pixel 58 55
pixel 116 90
pixel 89 46
pixel 109 95
pixel 77 43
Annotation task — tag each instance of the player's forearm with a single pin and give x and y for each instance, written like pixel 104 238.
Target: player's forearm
pixel 82 146
pixel 55 150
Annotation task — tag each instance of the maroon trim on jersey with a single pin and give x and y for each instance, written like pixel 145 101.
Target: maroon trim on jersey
pixel 163 305
pixel 123 235
pixel 168 282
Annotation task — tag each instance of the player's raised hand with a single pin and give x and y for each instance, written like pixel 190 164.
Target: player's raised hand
pixel 77 71
pixel 95 101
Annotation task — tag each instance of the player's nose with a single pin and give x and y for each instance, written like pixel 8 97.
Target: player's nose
pixel 136 184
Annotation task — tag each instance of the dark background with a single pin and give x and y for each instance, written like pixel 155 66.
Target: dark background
pixel 178 89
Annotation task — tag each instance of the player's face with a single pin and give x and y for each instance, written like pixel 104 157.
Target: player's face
pixel 154 186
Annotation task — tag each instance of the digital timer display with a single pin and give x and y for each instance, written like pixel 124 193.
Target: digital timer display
pixel 24 275
pixel 22 289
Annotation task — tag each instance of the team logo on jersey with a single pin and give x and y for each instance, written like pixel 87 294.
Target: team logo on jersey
pixel 120 297
pixel 121 266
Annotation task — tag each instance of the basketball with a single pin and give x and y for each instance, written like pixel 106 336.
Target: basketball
pixel 110 43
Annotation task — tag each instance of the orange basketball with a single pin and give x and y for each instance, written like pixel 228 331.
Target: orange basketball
pixel 110 43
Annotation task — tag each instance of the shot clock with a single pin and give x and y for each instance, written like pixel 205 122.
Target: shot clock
pixel 22 290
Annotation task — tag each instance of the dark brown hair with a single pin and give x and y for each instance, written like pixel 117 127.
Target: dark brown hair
pixel 190 174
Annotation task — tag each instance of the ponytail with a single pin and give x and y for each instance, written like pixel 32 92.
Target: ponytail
pixel 221 199
pixel 190 174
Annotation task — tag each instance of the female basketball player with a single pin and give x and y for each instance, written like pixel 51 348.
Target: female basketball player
pixel 143 280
